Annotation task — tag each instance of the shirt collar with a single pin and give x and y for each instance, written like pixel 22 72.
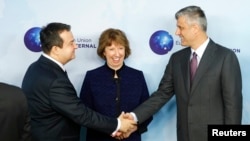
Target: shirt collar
pixel 200 50
pixel 57 62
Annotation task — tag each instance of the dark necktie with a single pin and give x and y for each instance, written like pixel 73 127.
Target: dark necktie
pixel 66 73
pixel 193 66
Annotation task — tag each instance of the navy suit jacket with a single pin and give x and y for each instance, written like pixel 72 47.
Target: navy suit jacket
pixel 214 98
pixel 109 96
pixel 56 112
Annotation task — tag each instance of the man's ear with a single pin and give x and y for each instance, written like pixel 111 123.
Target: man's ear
pixel 55 50
pixel 196 28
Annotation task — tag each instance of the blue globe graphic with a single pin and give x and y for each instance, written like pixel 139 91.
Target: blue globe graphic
pixel 32 39
pixel 161 42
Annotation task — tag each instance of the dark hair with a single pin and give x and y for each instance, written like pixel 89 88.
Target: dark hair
pixel 50 35
pixel 193 14
pixel 112 35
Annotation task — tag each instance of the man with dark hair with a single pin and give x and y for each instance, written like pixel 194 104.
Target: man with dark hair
pixel 56 112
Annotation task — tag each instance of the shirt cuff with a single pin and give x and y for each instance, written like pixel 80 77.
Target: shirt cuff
pixel 134 116
pixel 117 128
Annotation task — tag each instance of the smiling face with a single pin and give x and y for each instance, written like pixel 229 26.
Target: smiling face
pixel 186 31
pixel 67 52
pixel 115 54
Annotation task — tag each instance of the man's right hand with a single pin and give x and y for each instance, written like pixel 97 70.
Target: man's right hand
pixel 126 124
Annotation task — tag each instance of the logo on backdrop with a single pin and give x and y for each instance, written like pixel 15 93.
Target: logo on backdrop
pixel 85 43
pixel 32 39
pixel 161 42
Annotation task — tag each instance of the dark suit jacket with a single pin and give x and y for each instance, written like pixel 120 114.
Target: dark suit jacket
pixel 14 114
pixel 56 111
pixel 214 98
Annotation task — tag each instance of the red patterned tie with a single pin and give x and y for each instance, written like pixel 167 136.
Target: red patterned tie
pixel 193 66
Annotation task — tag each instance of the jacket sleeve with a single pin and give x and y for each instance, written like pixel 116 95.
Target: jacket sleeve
pixel 232 86
pixel 142 127
pixel 64 100
pixel 159 98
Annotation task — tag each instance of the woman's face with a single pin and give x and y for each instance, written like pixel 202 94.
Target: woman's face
pixel 114 55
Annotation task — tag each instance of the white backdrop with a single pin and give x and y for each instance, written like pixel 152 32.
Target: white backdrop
pixel 228 24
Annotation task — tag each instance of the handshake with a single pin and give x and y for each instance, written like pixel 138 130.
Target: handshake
pixel 128 126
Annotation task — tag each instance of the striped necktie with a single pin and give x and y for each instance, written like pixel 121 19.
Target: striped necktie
pixel 193 66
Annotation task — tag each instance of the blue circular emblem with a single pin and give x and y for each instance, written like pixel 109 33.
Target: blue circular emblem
pixel 32 39
pixel 161 42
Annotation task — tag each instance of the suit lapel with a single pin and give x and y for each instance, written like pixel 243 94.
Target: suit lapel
pixel 185 68
pixel 204 64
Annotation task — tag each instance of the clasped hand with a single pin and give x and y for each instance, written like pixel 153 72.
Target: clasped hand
pixel 128 126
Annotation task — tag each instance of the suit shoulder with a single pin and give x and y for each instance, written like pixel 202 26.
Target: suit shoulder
pixel 127 70
pixel 223 50
pixel 95 70
pixel 10 87
pixel 181 52
pixel 11 91
pixel 219 46
pixel 132 69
